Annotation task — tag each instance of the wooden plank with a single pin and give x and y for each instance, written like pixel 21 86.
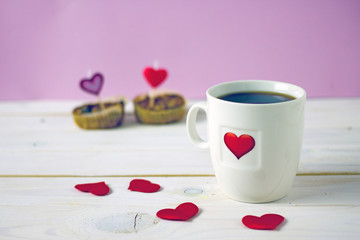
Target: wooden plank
pixel 318 207
pixel 41 138
pixel 38 107
pixel 330 113
pixel 43 107
pixel 59 147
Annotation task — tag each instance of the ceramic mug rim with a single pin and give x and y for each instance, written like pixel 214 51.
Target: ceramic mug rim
pixel 277 87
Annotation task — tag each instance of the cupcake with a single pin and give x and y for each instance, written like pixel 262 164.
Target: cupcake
pixel 156 107
pixel 160 109
pixel 99 116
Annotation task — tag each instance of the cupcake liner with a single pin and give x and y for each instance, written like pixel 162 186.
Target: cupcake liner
pixel 110 117
pixel 159 116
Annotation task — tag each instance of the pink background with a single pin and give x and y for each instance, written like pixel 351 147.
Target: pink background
pixel 47 46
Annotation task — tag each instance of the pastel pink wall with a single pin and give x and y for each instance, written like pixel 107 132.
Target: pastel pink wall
pixel 46 47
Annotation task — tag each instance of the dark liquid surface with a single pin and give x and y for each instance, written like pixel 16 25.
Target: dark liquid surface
pixel 257 97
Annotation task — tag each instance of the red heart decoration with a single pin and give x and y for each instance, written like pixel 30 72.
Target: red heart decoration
pixel 265 222
pixel 155 77
pixel 99 189
pixel 182 212
pixel 93 85
pixel 145 186
pixel 239 146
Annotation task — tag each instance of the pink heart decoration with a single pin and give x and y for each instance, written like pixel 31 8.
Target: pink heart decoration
pixel 265 222
pixel 182 212
pixel 239 146
pixel 144 186
pixel 99 189
pixel 155 76
pixel 93 85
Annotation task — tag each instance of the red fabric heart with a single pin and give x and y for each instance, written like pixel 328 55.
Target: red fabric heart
pixel 239 146
pixel 265 222
pixel 155 77
pixel 183 212
pixel 99 189
pixel 93 85
pixel 141 185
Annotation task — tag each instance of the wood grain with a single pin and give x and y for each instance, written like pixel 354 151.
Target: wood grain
pixel 51 208
pixel 40 138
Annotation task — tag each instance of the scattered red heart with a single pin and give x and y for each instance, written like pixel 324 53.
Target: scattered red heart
pixel 265 222
pixel 155 76
pixel 145 186
pixel 182 212
pixel 99 189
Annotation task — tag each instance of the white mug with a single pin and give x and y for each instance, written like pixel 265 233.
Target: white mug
pixel 255 148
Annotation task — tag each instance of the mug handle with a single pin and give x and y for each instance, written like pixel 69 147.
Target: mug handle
pixel 191 124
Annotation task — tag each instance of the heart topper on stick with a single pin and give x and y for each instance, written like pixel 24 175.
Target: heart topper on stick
pixel 93 85
pixel 154 76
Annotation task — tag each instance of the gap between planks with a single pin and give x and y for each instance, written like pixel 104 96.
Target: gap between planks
pixel 158 175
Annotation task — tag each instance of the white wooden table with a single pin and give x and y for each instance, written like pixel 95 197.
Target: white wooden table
pixel 43 155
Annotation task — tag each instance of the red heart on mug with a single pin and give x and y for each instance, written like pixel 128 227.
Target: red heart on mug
pixel 99 189
pixel 93 85
pixel 182 212
pixel 239 146
pixel 265 222
pixel 145 186
pixel 155 76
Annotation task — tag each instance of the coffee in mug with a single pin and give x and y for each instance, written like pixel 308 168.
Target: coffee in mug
pixel 256 97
